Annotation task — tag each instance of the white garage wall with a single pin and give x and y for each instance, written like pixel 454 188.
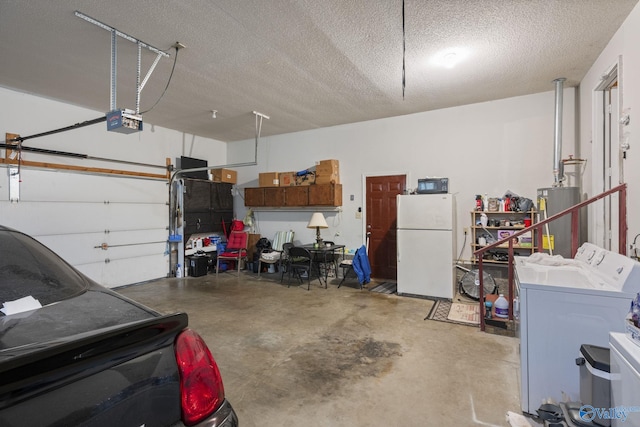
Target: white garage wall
pixel 483 148
pixel 624 46
pixel 72 213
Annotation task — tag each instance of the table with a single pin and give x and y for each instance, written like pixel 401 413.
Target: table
pixel 323 250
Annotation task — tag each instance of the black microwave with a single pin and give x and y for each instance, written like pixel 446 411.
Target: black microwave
pixel 433 186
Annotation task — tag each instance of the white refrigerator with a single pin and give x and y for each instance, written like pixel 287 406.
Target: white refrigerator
pixel 425 241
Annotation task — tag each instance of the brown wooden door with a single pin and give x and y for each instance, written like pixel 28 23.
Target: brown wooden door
pixel 381 223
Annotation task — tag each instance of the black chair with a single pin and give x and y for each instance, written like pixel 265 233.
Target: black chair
pixel 327 261
pixel 284 259
pixel 300 260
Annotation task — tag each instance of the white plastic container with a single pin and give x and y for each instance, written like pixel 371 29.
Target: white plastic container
pixel 484 219
pixel 502 307
pixel 178 271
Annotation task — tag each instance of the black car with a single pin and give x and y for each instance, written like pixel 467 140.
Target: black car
pixel 73 352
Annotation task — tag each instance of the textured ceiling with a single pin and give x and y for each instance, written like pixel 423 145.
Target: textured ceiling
pixel 305 63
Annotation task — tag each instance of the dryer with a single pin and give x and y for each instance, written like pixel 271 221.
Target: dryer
pixel 563 304
pixel 625 379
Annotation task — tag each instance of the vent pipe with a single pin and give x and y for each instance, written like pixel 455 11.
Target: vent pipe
pixel 558 167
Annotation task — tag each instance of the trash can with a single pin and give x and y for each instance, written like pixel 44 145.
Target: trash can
pixel 595 379
pixel 198 265
pixel 595 393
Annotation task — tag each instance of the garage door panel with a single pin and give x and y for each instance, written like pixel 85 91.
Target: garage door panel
pixel 139 269
pixel 74 214
pixel 57 186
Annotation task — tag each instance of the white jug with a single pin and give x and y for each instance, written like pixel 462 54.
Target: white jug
pixel 484 219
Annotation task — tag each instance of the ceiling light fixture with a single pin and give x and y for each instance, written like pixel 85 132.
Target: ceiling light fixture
pixel 450 58
pixel 214 114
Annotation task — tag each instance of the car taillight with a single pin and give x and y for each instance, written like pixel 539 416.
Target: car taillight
pixel 201 386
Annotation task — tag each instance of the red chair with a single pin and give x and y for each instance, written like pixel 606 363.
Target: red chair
pixel 235 251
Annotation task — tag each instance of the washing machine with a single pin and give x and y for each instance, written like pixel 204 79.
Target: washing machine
pixel 564 303
pixel 625 380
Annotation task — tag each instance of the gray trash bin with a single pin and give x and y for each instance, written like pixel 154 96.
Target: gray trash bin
pixel 595 391
pixel 595 379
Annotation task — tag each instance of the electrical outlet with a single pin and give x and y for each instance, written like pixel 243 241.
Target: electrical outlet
pixel 358 215
pixel 466 230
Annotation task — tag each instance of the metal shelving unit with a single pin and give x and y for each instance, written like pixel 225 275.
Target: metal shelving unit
pixel 497 229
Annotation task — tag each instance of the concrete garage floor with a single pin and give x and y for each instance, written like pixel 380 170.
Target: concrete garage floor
pixel 341 357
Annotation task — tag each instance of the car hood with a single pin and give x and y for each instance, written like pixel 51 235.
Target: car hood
pixel 90 311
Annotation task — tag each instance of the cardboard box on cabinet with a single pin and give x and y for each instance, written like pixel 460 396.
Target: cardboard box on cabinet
pixel 269 179
pixel 287 179
pixel 328 167
pixel 328 179
pixel 328 172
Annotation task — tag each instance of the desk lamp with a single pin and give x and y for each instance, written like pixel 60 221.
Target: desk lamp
pixel 317 221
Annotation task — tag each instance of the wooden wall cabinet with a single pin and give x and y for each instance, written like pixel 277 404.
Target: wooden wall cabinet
pixel 274 196
pixel 254 196
pixel 296 196
pixel 325 195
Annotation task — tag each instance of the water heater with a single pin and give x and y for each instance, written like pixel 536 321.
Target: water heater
pixel 555 200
